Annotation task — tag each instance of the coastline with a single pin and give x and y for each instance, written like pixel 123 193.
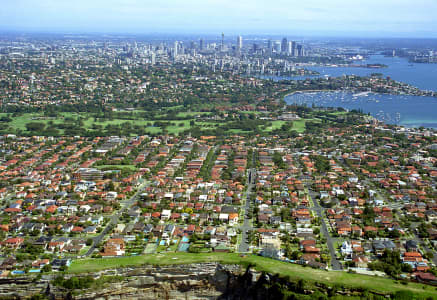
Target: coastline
pixel 308 91
pixel 409 111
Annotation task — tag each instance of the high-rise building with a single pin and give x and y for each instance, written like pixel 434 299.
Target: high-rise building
pixel 239 42
pixel 222 46
pixel 175 51
pixel 277 47
pixel 300 50
pixel 293 49
pixel 269 45
pixel 290 48
pixel 284 45
pixel 201 45
pixel 153 58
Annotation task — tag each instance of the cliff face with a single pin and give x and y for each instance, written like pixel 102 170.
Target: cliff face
pixel 195 281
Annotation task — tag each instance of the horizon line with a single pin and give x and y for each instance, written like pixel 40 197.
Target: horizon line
pixel 334 35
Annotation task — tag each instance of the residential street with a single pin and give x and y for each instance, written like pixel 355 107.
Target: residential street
pixel 114 219
pixel 247 226
pixel 336 265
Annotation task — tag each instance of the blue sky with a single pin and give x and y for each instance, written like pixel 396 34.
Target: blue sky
pixel 395 18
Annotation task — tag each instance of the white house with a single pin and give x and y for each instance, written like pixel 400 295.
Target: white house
pixel 165 215
pixel 346 248
pixel 223 217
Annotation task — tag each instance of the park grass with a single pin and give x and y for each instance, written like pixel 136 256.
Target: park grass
pixel 153 130
pixel 237 131
pixel 299 125
pixel 117 167
pixel 175 129
pixel 293 271
pixel 251 112
pixel 192 114
pixel 18 123
pixel 207 124
pixel 338 113
pixel 275 125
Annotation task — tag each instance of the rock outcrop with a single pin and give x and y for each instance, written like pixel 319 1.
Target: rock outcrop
pixel 194 281
pixel 191 282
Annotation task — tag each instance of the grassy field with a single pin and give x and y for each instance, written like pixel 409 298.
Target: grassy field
pixel 19 122
pixel 117 167
pixel 150 125
pixel 275 125
pixel 299 125
pixel 192 114
pixel 294 271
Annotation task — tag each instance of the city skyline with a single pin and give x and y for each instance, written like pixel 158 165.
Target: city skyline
pixel 313 18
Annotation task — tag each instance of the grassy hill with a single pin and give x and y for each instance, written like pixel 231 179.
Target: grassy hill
pixel 293 271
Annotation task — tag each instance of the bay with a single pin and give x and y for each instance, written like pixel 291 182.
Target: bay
pixel 405 110
pixel 421 75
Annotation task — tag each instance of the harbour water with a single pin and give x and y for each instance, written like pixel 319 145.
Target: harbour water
pixel 408 111
pixel 423 76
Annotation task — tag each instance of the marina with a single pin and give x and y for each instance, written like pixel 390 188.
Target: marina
pixel 405 110
pixel 421 75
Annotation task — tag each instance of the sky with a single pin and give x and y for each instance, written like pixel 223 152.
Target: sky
pixel 367 18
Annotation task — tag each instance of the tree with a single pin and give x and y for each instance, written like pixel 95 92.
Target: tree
pixel 288 250
pixel 35 126
pixel 47 268
pixel 406 268
pixel 394 234
pixel 295 255
pixel 429 255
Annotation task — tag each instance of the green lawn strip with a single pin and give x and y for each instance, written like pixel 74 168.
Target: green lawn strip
pixel 204 124
pixel 153 130
pixel 177 128
pixel 262 264
pixel 237 131
pixel 191 113
pixel 251 112
pixel 275 125
pixel 116 167
pixel 299 125
pixel 84 250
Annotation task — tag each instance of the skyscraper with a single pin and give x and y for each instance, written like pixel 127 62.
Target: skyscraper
pixel 290 48
pixel 293 49
pixel 255 47
pixel 239 42
pixel 300 50
pixel 175 52
pixel 284 45
pixel 222 46
pixel 201 45
pixel 277 47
